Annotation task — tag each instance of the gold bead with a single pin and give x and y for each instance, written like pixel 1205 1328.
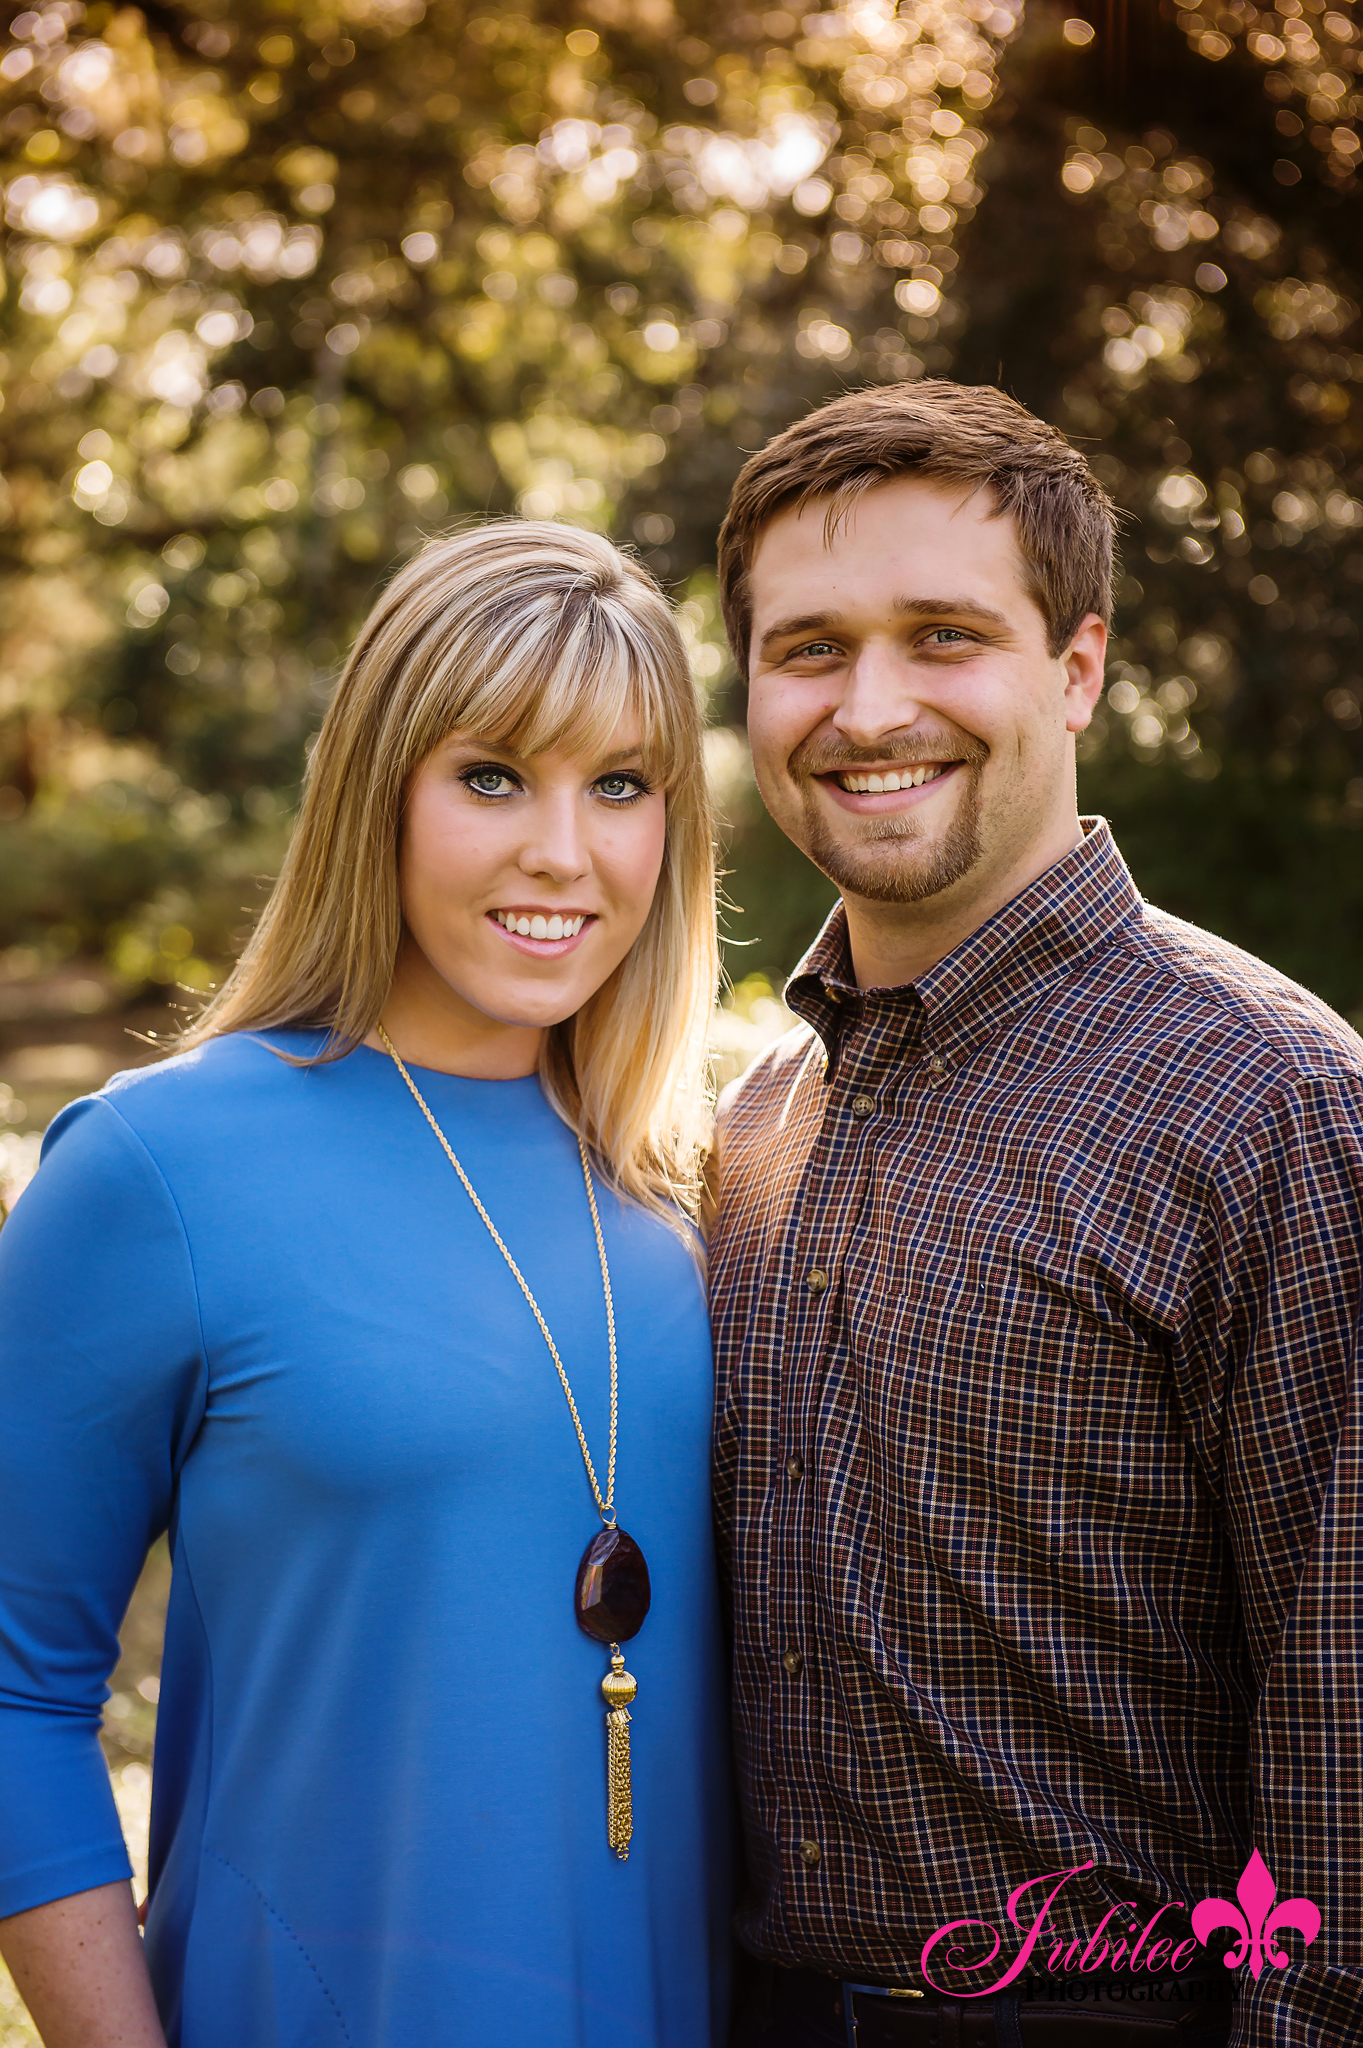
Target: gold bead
pixel 618 1688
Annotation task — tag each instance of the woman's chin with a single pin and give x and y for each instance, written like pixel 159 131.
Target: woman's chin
pixel 509 1001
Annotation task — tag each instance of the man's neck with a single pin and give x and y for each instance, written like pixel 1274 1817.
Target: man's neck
pixel 894 944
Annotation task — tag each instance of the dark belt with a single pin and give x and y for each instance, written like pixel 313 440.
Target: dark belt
pixel 1071 2012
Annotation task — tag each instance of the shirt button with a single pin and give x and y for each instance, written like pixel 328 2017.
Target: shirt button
pixel 936 1064
pixel 793 1662
pixel 863 1105
pixel 811 1852
pixel 817 1280
pixel 795 1465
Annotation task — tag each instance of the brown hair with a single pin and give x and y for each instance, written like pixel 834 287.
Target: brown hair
pixel 537 635
pixel 968 434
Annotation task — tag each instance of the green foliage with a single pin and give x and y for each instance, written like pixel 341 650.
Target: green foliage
pixel 290 286
pixel 1169 267
pixel 293 282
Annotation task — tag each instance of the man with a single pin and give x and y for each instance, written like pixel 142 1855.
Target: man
pixel 1037 1274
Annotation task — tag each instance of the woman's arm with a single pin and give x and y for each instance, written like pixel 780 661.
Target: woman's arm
pixel 79 1967
pixel 101 1376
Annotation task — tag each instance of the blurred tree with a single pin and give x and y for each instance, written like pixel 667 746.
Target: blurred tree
pixel 1168 265
pixel 292 284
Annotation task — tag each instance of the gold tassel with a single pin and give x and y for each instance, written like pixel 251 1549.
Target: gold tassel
pixel 618 1689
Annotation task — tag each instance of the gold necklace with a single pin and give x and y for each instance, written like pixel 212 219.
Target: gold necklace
pixel 611 1596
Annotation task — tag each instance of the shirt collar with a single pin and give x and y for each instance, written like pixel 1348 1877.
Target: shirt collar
pixel 1069 912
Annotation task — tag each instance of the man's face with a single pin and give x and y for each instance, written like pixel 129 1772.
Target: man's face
pixel 909 728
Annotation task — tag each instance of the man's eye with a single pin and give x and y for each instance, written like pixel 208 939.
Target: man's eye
pixel 818 649
pixel 489 781
pixel 946 636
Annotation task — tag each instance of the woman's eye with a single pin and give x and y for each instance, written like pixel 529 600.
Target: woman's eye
pixel 622 788
pixel 489 781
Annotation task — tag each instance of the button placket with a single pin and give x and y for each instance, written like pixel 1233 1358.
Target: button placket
pixel 813 1261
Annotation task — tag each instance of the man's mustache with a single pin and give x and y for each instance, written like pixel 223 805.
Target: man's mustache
pixel 822 757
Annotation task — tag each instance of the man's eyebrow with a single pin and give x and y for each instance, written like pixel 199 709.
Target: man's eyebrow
pixel 957 607
pixel 805 622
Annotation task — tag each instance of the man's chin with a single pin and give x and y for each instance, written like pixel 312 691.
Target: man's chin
pixel 891 879
pixel 895 866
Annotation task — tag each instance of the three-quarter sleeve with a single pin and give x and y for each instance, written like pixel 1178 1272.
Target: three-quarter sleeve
pixel 102 1386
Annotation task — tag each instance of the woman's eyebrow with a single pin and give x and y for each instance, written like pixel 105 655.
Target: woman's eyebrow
pixel 475 743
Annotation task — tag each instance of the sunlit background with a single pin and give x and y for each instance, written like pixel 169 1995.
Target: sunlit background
pixel 288 286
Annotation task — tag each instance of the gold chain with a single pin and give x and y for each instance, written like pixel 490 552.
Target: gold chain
pixel 606 1506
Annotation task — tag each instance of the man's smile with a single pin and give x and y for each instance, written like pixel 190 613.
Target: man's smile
pixel 864 789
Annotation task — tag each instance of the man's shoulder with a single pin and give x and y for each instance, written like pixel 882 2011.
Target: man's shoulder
pixel 778 1068
pixel 1199 988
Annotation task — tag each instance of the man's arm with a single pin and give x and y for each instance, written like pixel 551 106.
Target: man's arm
pixel 1289 1356
pixel 80 1970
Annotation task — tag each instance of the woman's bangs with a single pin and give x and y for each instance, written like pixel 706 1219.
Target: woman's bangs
pixel 570 685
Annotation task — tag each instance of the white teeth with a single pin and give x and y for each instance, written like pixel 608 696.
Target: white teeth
pixel 876 785
pixel 540 927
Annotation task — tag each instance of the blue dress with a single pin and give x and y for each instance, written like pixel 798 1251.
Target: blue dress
pixel 250 1302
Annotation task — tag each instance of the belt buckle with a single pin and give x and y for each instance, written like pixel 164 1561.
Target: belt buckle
pixel 849 2005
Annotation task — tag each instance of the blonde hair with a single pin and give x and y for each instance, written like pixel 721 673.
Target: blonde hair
pixel 532 635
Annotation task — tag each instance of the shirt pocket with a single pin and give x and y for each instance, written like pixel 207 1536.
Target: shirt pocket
pixel 976 1399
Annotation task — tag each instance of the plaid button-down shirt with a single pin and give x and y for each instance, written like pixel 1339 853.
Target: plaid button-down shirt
pixel 1040 1447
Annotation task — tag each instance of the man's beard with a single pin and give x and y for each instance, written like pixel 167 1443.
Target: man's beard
pixel 881 865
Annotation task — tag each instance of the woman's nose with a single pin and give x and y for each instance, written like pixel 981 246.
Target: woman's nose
pixel 556 843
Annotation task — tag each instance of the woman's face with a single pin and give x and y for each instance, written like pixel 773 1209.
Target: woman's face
pixel 524 880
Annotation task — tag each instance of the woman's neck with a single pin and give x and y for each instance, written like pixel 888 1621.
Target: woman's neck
pixel 433 1027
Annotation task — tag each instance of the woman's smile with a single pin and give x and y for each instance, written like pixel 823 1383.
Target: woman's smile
pixel 546 934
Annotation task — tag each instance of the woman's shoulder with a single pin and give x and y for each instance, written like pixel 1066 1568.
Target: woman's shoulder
pixel 663 1249
pixel 190 1096
pixel 220 1061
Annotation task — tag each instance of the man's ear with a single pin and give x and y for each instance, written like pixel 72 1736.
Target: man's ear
pixel 1083 660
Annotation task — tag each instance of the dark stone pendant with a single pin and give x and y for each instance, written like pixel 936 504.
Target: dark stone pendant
pixel 612 1595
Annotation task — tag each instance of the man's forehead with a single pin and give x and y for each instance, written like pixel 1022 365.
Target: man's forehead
pixel 884 531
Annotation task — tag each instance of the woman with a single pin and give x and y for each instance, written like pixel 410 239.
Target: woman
pixel 248 1298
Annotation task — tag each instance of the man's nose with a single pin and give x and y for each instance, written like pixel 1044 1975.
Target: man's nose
pixel 879 697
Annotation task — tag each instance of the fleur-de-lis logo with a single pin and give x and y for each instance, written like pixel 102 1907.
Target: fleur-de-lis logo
pixel 1256 1892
